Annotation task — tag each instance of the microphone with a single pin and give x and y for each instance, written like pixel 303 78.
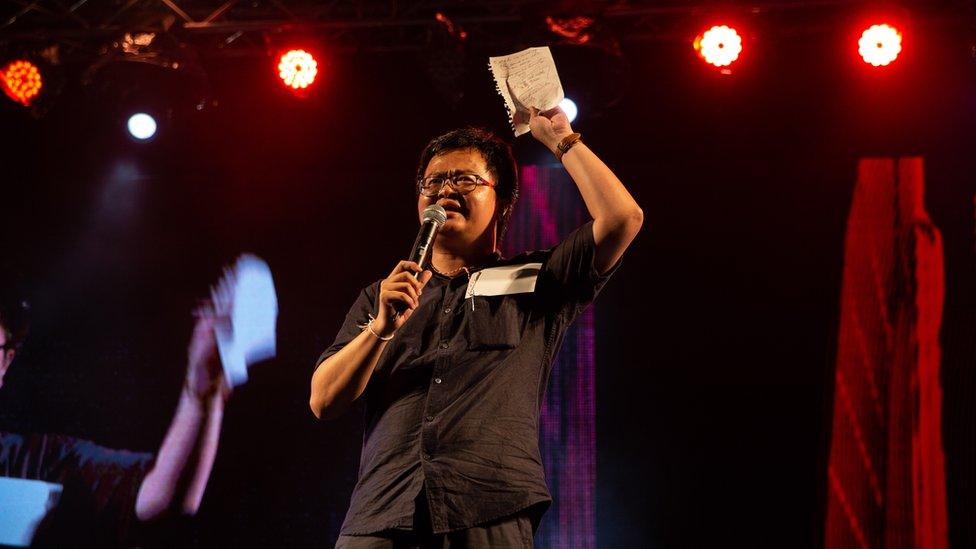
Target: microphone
pixel 433 217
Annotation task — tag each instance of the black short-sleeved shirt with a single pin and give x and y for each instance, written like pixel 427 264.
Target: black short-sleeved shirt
pixel 453 405
pixel 97 507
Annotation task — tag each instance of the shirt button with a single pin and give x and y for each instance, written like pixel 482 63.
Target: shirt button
pixel 444 345
pixel 430 418
pixel 437 380
pixel 447 310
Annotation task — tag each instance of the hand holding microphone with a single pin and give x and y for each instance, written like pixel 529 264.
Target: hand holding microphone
pixel 400 291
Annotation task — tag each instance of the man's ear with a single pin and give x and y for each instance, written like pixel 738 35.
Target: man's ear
pixel 505 210
pixel 5 361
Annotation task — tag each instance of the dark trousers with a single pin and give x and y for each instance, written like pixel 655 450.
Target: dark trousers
pixel 514 532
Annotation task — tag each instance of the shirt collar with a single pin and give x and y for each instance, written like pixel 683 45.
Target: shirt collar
pixel 493 259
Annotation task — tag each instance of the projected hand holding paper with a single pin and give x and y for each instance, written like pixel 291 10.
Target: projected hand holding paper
pixel 245 298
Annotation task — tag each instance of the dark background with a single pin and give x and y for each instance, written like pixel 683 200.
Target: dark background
pixel 715 340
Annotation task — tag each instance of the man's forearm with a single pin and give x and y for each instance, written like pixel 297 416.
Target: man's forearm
pixel 341 379
pixel 616 216
pixel 206 452
pixel 184 460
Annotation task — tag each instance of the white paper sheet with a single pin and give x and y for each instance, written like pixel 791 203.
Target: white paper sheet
pixel 246 297
pixel 526 79
pixel 23 505
pixel 510 279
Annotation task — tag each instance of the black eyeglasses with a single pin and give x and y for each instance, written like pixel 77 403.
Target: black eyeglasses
pixel 463 183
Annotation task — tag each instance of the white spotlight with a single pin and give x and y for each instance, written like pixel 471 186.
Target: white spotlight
pixel 142 126
pixel 569 108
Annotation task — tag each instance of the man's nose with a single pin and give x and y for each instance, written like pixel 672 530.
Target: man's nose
pixel 447 188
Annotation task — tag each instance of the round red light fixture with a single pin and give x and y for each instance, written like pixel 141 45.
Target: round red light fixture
pixel 21 81
pixel 297 69
pixel 719 45
pixel 879 45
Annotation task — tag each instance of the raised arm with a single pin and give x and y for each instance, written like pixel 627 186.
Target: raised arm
pixel 176 483
pixel 616 216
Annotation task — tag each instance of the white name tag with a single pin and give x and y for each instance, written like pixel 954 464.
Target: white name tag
pixel 510 279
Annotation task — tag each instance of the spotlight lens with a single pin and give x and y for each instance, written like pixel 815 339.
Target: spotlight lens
pixel 21 81
pixel 142 126
pixel 879 45
pixel 297 69
pixel 719 45
pixel 569 107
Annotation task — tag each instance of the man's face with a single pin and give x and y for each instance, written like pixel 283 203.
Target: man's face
pixel 471 215
pixel 6 354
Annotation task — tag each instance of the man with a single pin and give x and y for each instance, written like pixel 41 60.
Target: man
pixel 106 492
pixel 453 384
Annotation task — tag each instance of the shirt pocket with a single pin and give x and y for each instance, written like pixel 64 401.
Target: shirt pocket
pixel 496 322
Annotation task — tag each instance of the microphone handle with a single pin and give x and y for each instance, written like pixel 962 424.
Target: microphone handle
pixel 420 253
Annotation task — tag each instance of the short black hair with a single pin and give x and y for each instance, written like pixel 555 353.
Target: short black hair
pixel 498 156
pixel 14 320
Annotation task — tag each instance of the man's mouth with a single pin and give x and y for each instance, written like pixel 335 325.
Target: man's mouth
pixel 451 206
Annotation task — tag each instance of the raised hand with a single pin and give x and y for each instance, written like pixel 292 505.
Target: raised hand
pixel 204 375
pixel 549 127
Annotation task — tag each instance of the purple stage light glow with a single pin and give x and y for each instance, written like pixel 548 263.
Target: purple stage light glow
pixel 551 208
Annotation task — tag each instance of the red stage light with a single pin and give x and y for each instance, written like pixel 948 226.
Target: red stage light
pixel 575 30
pixel 454 30
pixel 21 81
pixel 879 45
pixel 297 69
pixel 719 45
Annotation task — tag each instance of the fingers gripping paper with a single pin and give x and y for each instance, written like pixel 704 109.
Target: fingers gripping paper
pixel 526 79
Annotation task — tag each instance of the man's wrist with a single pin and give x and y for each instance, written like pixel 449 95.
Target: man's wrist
pixel 192 400
pixel 194 393
pixel 566 143
pixel 558 138
pixel 202 403
pixel 379 331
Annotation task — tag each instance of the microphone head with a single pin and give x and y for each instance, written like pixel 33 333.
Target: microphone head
pixel 435 213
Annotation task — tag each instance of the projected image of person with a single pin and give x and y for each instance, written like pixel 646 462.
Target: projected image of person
pixel 451 360
pixel 108 493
